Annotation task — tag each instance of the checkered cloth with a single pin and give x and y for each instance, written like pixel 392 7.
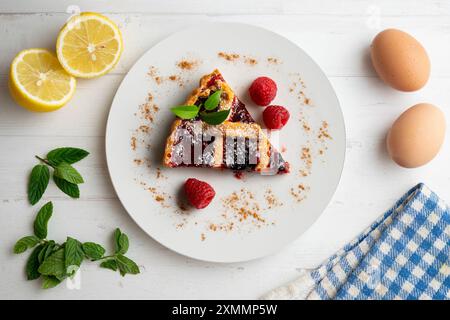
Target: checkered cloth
pixel 403 255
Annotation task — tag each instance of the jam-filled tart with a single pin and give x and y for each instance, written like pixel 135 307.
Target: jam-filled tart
pixel 238 143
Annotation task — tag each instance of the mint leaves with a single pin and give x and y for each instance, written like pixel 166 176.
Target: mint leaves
pixel 38 182
pixel 213 100
pixel 65 176
pixel 93 250
pixel 213 118
pixel 118 260
pixel 67 155
pixel 185 112
pixel 55 262
pixel 41 221
pixel 25 243
pixel 66 172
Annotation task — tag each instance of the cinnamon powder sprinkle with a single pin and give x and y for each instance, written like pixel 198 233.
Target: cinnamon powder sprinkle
pixel 160 197
pixel 272 60
pixel 323 132
pixel 154 74
pixel 306 157
pixel 243 207
pixel 299 193
pixel 147 111
pixel 271 200
pixel 250 61
pixel 228 56
pixel 133 143
pixel 306 127
pixel 144 129
pixel 187 65
pixel 138 161
pixel 202 237
pixel 235 57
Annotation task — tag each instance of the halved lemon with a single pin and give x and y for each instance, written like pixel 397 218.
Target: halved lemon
pixel 89 45
pixel 38 82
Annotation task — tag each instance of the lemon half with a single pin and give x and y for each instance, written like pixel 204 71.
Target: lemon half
pixel 89 45
pixel 38 82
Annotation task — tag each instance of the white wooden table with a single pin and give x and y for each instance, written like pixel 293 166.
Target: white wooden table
pixel 336 34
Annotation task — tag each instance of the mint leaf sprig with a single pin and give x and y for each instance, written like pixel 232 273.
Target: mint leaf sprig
pixel 65 176
pixel 55 262
pixel 188 112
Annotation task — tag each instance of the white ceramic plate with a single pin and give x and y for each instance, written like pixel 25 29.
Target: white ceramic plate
pixel 223 232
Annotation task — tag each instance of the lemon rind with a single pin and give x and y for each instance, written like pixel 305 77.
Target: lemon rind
pixel 85 16
pixel 26 99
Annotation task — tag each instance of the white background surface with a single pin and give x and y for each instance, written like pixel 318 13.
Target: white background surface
pixel 337 34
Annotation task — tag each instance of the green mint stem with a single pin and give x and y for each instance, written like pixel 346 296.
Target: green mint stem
pixel 45 161
pixel 105 257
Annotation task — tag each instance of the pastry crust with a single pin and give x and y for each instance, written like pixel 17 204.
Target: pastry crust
pixel 214 155
pixel 251 131
pixel 205 88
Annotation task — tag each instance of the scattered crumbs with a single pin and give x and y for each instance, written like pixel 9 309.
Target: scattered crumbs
pixel 224 226
pixel 321 152
pixel 298 87
pixel 154 74
pixel 273 60
pixel 304 98
pixel 304 173
pixel 306 158
pixel 228 56
pixel 250 61
pixel 173 78
pixel 305 125
pixel 160 197
pixel 147 111
pixel 133 143
pixel 242 207
pixel 180 225
pixel 138 161
pixel 202 237
pixel 323 132
pixel 183 206
pixel 159 174
pixel 187 64
pixel 144 129
pixel 271 200
pixel 235 57
pixel 299 192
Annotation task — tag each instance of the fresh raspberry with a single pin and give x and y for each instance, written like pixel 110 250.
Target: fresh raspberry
pixel 199 193
pixel 275 117
pixel 263 90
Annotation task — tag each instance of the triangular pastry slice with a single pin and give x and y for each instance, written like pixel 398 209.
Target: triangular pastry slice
pixel 238 143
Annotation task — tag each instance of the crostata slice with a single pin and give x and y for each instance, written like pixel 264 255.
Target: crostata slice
pixel 237 143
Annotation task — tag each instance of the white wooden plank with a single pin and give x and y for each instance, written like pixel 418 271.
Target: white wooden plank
pixel 335 33
pixel 347 39
pixel 224 7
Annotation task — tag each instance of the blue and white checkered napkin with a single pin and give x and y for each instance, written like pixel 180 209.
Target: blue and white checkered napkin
pixel 405 254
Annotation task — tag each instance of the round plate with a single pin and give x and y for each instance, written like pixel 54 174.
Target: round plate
pixel 252 215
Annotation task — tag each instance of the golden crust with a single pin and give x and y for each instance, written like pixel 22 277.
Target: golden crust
pixel 227 128
pixel 220 132
pixel 203 91
pixel 170 142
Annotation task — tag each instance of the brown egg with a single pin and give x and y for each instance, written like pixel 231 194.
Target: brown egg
pixel 400 60
pixel 416 136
